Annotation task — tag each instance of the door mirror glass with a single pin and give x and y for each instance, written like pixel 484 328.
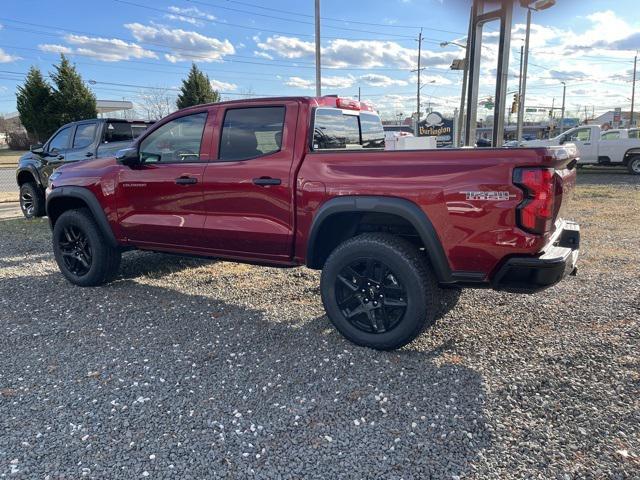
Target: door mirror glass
pixel 128 156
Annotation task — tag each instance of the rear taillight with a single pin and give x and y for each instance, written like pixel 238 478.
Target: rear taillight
pixel 536 212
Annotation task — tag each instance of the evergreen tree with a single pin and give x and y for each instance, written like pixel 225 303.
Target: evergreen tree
pixel 196 89
pixel 72 99
pixel 35 104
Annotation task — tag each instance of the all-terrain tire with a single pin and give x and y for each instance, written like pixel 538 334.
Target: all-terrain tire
pixel 447 300
pixel 102 262
pixel 31 200
pixel 407 267
pixel 633 165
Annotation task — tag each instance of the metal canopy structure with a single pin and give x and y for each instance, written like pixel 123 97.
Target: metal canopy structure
pixel 481 14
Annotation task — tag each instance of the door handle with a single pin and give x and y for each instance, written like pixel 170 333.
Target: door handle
pixel 186 180
pixel 88 154
pixel 60 157
pixel 264 181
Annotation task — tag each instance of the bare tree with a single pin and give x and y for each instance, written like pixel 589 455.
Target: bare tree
pixel 156 103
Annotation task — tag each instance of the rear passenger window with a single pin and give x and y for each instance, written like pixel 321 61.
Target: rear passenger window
pixel 251 132
pixel 85 134
pixel 118 132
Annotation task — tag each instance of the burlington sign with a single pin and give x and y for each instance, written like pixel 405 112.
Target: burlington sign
pixel 437 126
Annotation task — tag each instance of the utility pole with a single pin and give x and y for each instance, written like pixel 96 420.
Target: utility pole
pixel 418 91
pixel 523 77
pixel 318 85
pixel 633 89
pixel 564 93
pixel 358 93
pixel 519 126
pixel 465 73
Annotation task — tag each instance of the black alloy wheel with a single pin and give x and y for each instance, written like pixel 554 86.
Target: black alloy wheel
pixel 76 250
pixel 370 296
pixel 26 203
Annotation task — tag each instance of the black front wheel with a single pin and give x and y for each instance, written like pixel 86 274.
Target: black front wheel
pixel 31 200
pixel 82 252
pixel 379 291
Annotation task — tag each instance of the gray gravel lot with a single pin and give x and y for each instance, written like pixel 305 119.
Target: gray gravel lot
pixel 187 368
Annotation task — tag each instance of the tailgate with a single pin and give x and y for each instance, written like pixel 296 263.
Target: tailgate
pixel 564 161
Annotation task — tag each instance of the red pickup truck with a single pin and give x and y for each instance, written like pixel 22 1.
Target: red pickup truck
pixel 306 181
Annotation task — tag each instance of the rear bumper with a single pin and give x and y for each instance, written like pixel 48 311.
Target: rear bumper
pixel 532 274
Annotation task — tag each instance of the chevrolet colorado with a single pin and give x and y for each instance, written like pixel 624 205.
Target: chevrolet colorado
pixel 306 181
pixel 73 142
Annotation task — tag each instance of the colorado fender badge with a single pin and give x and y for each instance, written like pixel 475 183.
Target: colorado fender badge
pixel 489 196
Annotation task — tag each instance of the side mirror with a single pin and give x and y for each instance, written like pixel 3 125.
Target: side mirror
pixel 37 148
pixel 128 156
pixel 562 140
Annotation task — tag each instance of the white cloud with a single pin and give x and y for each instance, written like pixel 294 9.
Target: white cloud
pixel 222 86
pixel 105 49
pixel 262 55
pixel 327 82
pixel 7 58
pixel 355 53
pixel 192 15
pixel 297 82
pixel 185 45
pixel 287 47
pixel 55 48
pixel 376 80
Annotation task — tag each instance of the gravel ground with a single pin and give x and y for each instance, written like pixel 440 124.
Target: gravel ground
pixel 199 369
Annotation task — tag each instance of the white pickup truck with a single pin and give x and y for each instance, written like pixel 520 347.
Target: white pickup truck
pixel 610 147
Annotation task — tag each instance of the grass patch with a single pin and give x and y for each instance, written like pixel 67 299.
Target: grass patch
pixel 8 197
pixel 9 158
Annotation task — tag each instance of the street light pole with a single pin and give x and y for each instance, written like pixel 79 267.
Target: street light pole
pixel 523 80
pixel 418 92
pixel 318 84
pixel 633 90
pixel 465 73
pixel 564 93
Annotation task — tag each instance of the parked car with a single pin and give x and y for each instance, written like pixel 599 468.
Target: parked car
pixel 302 181
pixel 595 146
pixel 73 142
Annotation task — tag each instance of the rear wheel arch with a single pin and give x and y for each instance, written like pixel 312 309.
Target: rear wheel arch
pixel 342 218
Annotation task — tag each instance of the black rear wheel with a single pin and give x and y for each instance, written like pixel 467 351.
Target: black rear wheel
pixel 82 252
pixel 370 296
pixel 378 291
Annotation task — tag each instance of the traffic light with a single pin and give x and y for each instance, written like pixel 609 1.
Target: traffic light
pixel 516 103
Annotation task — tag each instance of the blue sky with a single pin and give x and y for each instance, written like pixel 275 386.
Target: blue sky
pixel 266 48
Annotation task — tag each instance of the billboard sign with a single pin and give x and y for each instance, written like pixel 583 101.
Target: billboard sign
pixel 434 125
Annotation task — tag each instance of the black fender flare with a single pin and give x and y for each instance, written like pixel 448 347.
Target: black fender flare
pixel 391 205
pixel 31 170
pixel 632 152
pixel 92 203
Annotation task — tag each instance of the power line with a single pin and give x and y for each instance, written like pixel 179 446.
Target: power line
pixel 323 18
pixel 225 58
pixel 332 19
pixel 236 25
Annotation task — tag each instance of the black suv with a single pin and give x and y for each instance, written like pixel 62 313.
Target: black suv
pixel 83 140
